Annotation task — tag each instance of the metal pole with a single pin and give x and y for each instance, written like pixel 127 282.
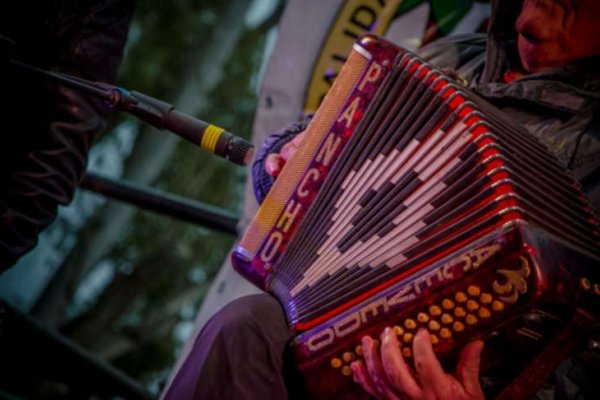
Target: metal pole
pixel 163 203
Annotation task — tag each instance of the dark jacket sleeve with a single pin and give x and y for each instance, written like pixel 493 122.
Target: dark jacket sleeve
pixel 262 181
pixel 49 129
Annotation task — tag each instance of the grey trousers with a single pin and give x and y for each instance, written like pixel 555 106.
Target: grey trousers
pixel 241 353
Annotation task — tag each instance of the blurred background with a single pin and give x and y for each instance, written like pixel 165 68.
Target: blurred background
pixel 125 285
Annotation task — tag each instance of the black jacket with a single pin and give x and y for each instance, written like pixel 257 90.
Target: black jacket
pixel 47 130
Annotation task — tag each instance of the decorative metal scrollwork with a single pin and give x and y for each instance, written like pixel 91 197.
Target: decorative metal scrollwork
pixel 516 282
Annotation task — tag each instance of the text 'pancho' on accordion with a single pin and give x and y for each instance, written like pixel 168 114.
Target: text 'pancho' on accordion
pixel 413 203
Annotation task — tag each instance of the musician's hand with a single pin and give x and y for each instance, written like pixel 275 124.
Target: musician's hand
pixel 275 162
pixel 387 376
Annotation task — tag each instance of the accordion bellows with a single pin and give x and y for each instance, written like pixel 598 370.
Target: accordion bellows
pixel 413 203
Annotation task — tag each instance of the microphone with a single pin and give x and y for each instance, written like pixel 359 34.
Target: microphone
pixel 164 116
pixel 159 114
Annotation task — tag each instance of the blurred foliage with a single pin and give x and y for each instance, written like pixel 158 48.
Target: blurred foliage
pixel 161 37
pixel 164 266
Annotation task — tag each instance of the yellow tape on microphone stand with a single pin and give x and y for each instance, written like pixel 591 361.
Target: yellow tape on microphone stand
pixel 210 137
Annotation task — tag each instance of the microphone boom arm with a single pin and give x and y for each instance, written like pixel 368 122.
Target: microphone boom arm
pixel 159 114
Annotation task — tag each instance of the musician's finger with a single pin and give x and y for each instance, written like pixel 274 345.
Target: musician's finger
pixel 467 370
pixel 362 377
pixel 375 369
pixel 298 139
pixel 396 369
pixel 290 147
pixel 432 377
pixel 273 164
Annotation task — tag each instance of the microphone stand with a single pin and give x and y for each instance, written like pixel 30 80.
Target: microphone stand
pixel 168 204
pixel 163 116
pixel 159 114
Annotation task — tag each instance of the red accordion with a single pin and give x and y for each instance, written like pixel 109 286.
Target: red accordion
pixel 413 203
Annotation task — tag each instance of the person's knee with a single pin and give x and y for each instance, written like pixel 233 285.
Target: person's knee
pixel 247 313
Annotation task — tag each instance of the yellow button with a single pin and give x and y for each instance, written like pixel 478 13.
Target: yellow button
pixel 472 305
pixel 348 357
pixel 446 318
pixel 471 319
pixel 406 352
pixel 434 339
pixel 398 330
pixel 485 298
pixel 447 304
pixel 407 338
pixel 473 290
pixel 484 313
pixel 445 333
pixel 422 317
pixel 459 312
pixel 435 310
pixel 458 326
pixel 336 362
pixel 358 350
pixel 347 371
pixel 410 324
pixel 497 305
pixel 434 325
pixel 460 297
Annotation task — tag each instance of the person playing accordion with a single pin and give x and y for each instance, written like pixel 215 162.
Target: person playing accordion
pixel 539 65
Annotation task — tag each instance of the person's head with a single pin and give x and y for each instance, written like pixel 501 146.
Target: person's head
pixel 553 33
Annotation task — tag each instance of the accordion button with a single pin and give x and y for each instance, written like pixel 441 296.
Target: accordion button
pixel 422 317
pixel 458 326
pixel 497 305
pixel 484 313
pixel 398 330
pixel 410 324
pixel 435 311
pixel 447 304
pixel 445 333
pixel 446 318
pixel 460 297
pixel 406 352
pixel 485 298
pixel 471 319
pixel 472 305
pixel 348 357
pixel 347 371
pixel 407 338
pixel 459 312
pixel 473 290
pixel 359 350
pixel 434 339
pixel 596 289
pixel 434 325
pixel 336 362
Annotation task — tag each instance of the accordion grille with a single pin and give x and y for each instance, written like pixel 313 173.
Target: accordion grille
pixel 281 191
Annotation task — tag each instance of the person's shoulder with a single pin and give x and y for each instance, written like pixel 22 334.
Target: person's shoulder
pixel 455 51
